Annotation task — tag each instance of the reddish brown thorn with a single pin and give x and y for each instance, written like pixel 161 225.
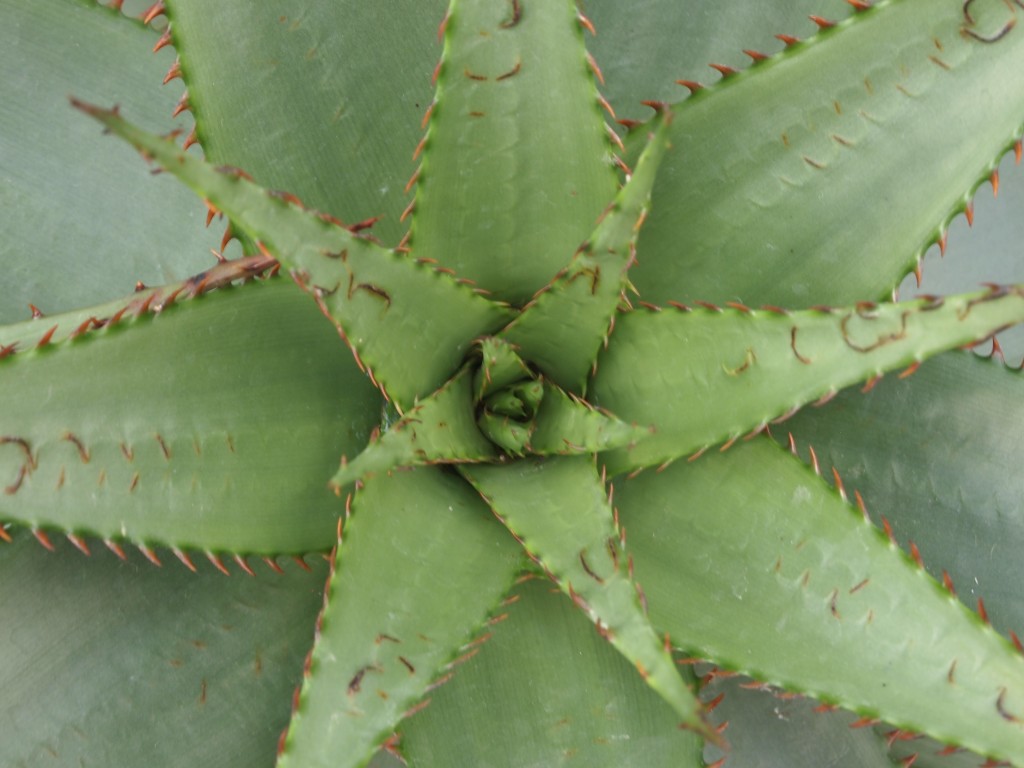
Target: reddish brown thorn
pixel 839 484
pixel 910 370
pixel 909 761
pixel 916 554
pixel 756 56
pixel 114 547
pixel 969 213
pixel 43 539
pixel 822 23
pixel 595 69
pixel 725 70
pixel 789 40
pixel 586 23
pixel 184 558
pixel 165 40
pixel 79 543
pixel 46 338
pixel 718 763
pixel 710 706
pixel 814 461
pixel 7 349
pixel 272 565
pixel 1018 151
pixel 994 180
pixel 149 554
pixel 217 563
pixel 942 244
pixel 859 5
pixel 918 273
pixel 173 73
pixel 792 445
pixel 1016 642
pixel 692 85
pixel 301 563
pixel 243 565
pixel 605 105
pixel 190 139
pixel 947 582
pixel 182 105
pixel 870 383
pixel 156 9
pixel 36 312
pixel 864 722
pixel 115 4
pixel 982 612
pixel 888 530
pixel 359 226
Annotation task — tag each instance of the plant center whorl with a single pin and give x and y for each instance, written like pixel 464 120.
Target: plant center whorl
pixel 507 396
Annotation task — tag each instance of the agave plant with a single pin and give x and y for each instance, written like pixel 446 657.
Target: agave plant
pixel 529 287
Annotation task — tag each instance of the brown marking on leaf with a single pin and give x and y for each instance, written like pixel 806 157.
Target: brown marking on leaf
pixel 83 454
pixel 792 344
pixel 474 75
pixel 163 446
pixel 408 665
pixel 511 73
pixel 515 18
pixel 859 586
pixel 586 567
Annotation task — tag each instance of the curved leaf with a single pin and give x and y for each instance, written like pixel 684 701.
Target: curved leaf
pixel 377 297
pixel 557 697
pixel 711 375
pixel 752 561
pixel 851 167
pixel 252 70
pixel 516 164
pixel 390 627
pixel 103 660
pixel 84 220
pixel 559 510
pixel 188 427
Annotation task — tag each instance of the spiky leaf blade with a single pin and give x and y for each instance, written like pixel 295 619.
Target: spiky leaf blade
pixel 415 539
pixel 563 326
pixel 185 427
pixel 516 164
pixel 52 162
pixel 712 375
pixel 860 108
pixel 371 293
pixel 559 509
pixel 814 582
pixel 101 660
pixel 560 697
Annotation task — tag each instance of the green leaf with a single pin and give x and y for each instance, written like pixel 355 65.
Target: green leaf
pixel 557 697
pixel 220 446
pixel 711 375
pixel 851 168
pixel 85 219
pixel 905 445
pixel 563 326
pixel 568 425
pixel 559 510
pixel 379 299
pixel 102 661
pixel 253 70
pixel 515 158
pixel 390 628
pixel 794 587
